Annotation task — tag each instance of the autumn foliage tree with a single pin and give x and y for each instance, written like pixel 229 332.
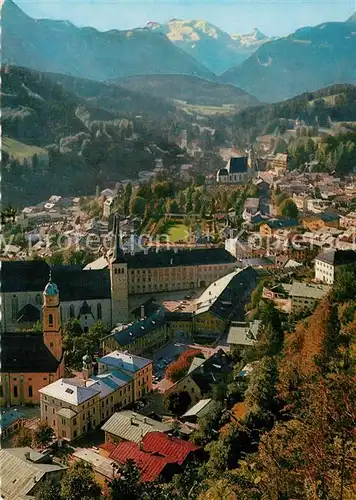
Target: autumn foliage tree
pixel 176 370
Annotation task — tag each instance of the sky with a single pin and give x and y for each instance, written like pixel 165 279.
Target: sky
pixel 272 17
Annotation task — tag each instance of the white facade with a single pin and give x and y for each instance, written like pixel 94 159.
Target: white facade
pixel 324 272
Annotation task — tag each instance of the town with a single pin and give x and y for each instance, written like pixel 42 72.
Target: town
pixel 137 346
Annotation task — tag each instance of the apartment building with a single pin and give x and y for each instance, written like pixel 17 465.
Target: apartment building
pixel 75 406
pixel 327 264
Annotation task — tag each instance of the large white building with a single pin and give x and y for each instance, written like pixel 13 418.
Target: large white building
pixel 327 263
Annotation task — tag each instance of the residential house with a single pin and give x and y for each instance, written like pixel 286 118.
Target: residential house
pixel 199 381
pixel 24 471
pixel 316 222
pixel 327 263
pixel 130 426
pixel 221 300
pixel 77 405
pixel 304 296
pixel 199 410
pixel 269 228
pixel 10 421
pixel 348 221
pixel 242 333
pixel 280 161
pixel 103 469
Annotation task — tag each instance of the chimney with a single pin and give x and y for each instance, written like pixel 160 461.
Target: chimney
pixel 27 455
pixel 142 311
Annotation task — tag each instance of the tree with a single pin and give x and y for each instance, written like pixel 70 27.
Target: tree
pixel 289 209
pixel 22 438
pixel 48 490
pixel 208 425
pixel 43 434
pixel 79 483
pixel 138 206
pixel 178 402
pixel 126 483
pixel 172 207
pixel 261 394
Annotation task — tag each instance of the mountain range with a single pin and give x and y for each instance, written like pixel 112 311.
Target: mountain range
pixel 61 47
pixel 352 19
pixel 309 59
pixel 208 44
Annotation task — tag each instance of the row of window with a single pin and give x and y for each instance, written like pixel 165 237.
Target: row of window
pixel 15 308
pixel 15 391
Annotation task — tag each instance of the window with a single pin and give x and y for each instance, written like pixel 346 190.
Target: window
pixel 74 421
pixel 64 434
pixel 15 391
pixel 98 311
pixel 50 319
pixel 1 392
pixel 63 421
pixel 30 393
pixel 71 311
pixel 54 423
pixel 45 407
pixel 75 434
pixel 14 307
pixel 38 300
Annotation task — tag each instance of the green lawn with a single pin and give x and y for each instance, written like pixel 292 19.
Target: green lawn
pixel 19 150
pixel 178 232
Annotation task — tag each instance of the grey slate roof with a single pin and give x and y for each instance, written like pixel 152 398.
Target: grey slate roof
pixel 132 426
pixel 24 276
pixel 308 290
pixel 238 165
pixel 169 258
pixel 75 283
pixel 141 328
pixel 28 313
pixel 223 296
pixel 338 257
pixel 26 352
pixel 18 475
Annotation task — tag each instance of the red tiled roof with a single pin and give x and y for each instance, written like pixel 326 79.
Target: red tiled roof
pixel 150 465
pixel 157 442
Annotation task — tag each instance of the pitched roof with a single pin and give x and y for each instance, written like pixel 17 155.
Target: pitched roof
pixel 150 466
pixel 238 165
pixel 240 334
pixel 129 334
pixel 28 313
pixel 178 449
pixel 26 352
pixel 125 361
pixel 8 417
pixel 24 275
pixel 282 222
pixel 170 258
pixel 100 464
pixel 18 475
pixel 75 283
pixel 308 290
pixel 199 409
pixel 338 257
pixel 222 297
pixel 132 426
pixel 70 391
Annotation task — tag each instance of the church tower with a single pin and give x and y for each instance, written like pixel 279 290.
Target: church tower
pixel 119 282
pixel 52 335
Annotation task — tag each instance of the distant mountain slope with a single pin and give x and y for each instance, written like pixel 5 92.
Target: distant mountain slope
pixel 190 89
pixel 213 47
pixel 310 58
pixel 352 19
pixel 61 47
pixel 324 107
